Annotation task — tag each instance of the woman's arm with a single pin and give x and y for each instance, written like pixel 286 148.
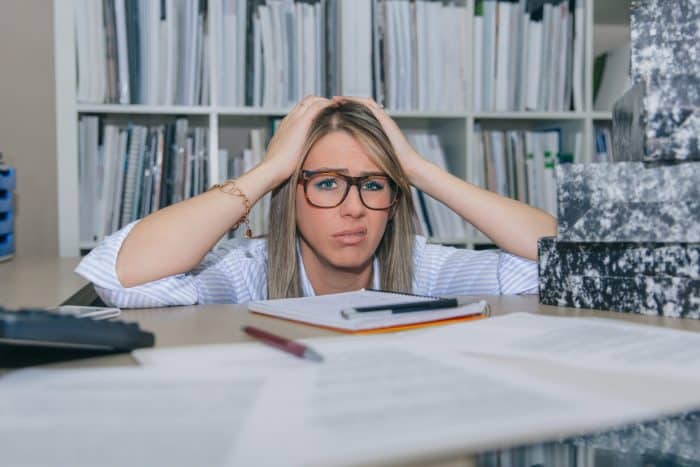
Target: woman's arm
pixel 175 239
pixel 513 226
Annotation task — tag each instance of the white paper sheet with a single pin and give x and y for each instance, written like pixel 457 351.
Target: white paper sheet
pixel 374 398
pixel 388 397
pixel 122 416
pixel 581 342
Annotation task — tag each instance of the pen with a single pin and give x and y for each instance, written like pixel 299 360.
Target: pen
pixel 390 309
pixel 294 348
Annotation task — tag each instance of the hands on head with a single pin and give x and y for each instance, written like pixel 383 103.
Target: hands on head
pixel 286 147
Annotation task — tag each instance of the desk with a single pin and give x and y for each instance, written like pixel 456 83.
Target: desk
pixel 38 281
pixel 207 324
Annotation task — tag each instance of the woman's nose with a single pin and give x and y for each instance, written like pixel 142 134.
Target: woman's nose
pixel 352 205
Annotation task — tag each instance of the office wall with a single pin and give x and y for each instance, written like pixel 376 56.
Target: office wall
pixel 28 120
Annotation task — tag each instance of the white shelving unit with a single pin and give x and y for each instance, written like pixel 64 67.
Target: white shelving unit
pixel 456 129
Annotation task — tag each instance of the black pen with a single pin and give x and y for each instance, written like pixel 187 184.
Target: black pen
pixel 390 309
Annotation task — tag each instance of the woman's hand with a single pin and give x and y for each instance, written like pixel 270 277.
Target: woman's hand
pixel 285 148
pixel 411 162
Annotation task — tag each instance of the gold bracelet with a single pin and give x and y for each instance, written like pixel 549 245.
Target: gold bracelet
pixel 230 188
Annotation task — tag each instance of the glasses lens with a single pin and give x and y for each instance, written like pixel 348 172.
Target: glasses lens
pixel 377 192
pixel 327 191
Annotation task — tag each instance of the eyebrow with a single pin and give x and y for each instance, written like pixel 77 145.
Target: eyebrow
pixel 345 171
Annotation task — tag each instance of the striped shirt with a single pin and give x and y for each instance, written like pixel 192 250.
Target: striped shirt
pixel 236 272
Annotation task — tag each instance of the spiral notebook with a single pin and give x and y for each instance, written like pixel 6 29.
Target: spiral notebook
pixel 324 311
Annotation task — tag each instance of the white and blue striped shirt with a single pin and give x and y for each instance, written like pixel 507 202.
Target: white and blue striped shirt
pixel 236 272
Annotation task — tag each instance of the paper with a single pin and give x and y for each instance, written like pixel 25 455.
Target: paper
pixel 398 397
pixel 122 416
pixel 581 342
pixel 324 310
pixel 386 397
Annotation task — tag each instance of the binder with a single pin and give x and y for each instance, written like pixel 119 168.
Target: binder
pixel 6 222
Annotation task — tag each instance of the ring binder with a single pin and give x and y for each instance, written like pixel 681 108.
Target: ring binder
pixel 7 186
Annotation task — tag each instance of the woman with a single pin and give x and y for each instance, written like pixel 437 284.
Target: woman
pixel 341 218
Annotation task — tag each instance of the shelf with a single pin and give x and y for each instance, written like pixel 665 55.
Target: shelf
pixel 144 109
pixel 601 115
pixel 526 115
pixel 457 129
pixel 425 114
pixel 252 111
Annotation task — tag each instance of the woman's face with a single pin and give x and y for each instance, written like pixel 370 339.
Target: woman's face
pixel 347 235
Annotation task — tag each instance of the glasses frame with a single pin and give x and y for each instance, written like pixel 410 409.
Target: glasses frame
pixel 351 181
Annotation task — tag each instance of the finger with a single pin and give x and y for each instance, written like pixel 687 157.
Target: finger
pixel 304 105
pixel 315 105
pixel 301 106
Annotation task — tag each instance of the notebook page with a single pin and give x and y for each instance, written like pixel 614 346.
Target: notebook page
pixel 324 310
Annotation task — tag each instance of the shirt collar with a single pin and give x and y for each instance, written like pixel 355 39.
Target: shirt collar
pixel 308 290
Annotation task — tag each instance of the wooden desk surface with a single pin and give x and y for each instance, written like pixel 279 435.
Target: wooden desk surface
pixel 38 281
pixel 218 324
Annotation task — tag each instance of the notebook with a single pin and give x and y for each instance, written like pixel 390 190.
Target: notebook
pixel 324 311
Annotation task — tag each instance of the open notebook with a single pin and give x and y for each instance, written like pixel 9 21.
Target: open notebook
pixel 324 311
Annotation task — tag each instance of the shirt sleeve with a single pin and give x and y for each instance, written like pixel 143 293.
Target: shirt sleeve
pixel 448 271
pixel 227 274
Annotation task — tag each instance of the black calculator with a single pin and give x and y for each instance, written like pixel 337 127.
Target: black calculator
pixel 32 336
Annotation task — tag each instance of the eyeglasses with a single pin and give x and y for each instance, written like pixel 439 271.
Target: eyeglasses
pixel 329 189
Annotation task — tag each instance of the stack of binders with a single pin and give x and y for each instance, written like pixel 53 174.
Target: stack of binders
pixel 7 186
pixel 628 236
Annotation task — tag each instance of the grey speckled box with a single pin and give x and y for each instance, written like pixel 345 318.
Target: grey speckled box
pixel 666 62
pixel 648 278
pixel 628 202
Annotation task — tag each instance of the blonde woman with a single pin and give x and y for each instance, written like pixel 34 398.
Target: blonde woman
pixel 341 218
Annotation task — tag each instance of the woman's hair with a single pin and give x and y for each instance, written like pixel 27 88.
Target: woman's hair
pixel 395 250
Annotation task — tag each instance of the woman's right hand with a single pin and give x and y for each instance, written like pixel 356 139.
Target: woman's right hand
pixel 285 148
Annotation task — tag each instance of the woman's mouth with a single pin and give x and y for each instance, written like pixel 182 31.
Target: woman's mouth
pixel 350 236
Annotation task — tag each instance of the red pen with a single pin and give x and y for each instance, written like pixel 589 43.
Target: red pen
pixel 294 348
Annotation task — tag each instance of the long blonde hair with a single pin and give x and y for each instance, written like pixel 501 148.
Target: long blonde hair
pixel 395 250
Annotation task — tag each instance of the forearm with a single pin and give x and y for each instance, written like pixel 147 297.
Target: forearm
pixel 175 239
pixel 513 226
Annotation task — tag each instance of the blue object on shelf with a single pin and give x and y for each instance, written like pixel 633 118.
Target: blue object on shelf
pixel 7 178
pixel 8 183
pixel 5 200
pixel 7 245
pixel 6 222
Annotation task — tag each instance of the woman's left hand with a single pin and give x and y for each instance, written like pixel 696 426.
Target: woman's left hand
pixel 409 159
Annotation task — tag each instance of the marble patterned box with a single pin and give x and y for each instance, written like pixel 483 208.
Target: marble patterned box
pixel 648 278
pixel 665 56
pixel 628 202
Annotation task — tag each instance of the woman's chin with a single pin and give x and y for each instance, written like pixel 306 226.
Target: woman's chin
pixel 351 260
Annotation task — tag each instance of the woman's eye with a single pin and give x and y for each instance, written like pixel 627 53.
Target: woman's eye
pixel 373 185
pixel 326 184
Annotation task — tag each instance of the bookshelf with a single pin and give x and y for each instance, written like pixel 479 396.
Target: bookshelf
pixel 457 129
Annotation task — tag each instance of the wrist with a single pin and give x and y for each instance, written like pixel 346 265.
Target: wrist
pixel 418 171
pixel 271 175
